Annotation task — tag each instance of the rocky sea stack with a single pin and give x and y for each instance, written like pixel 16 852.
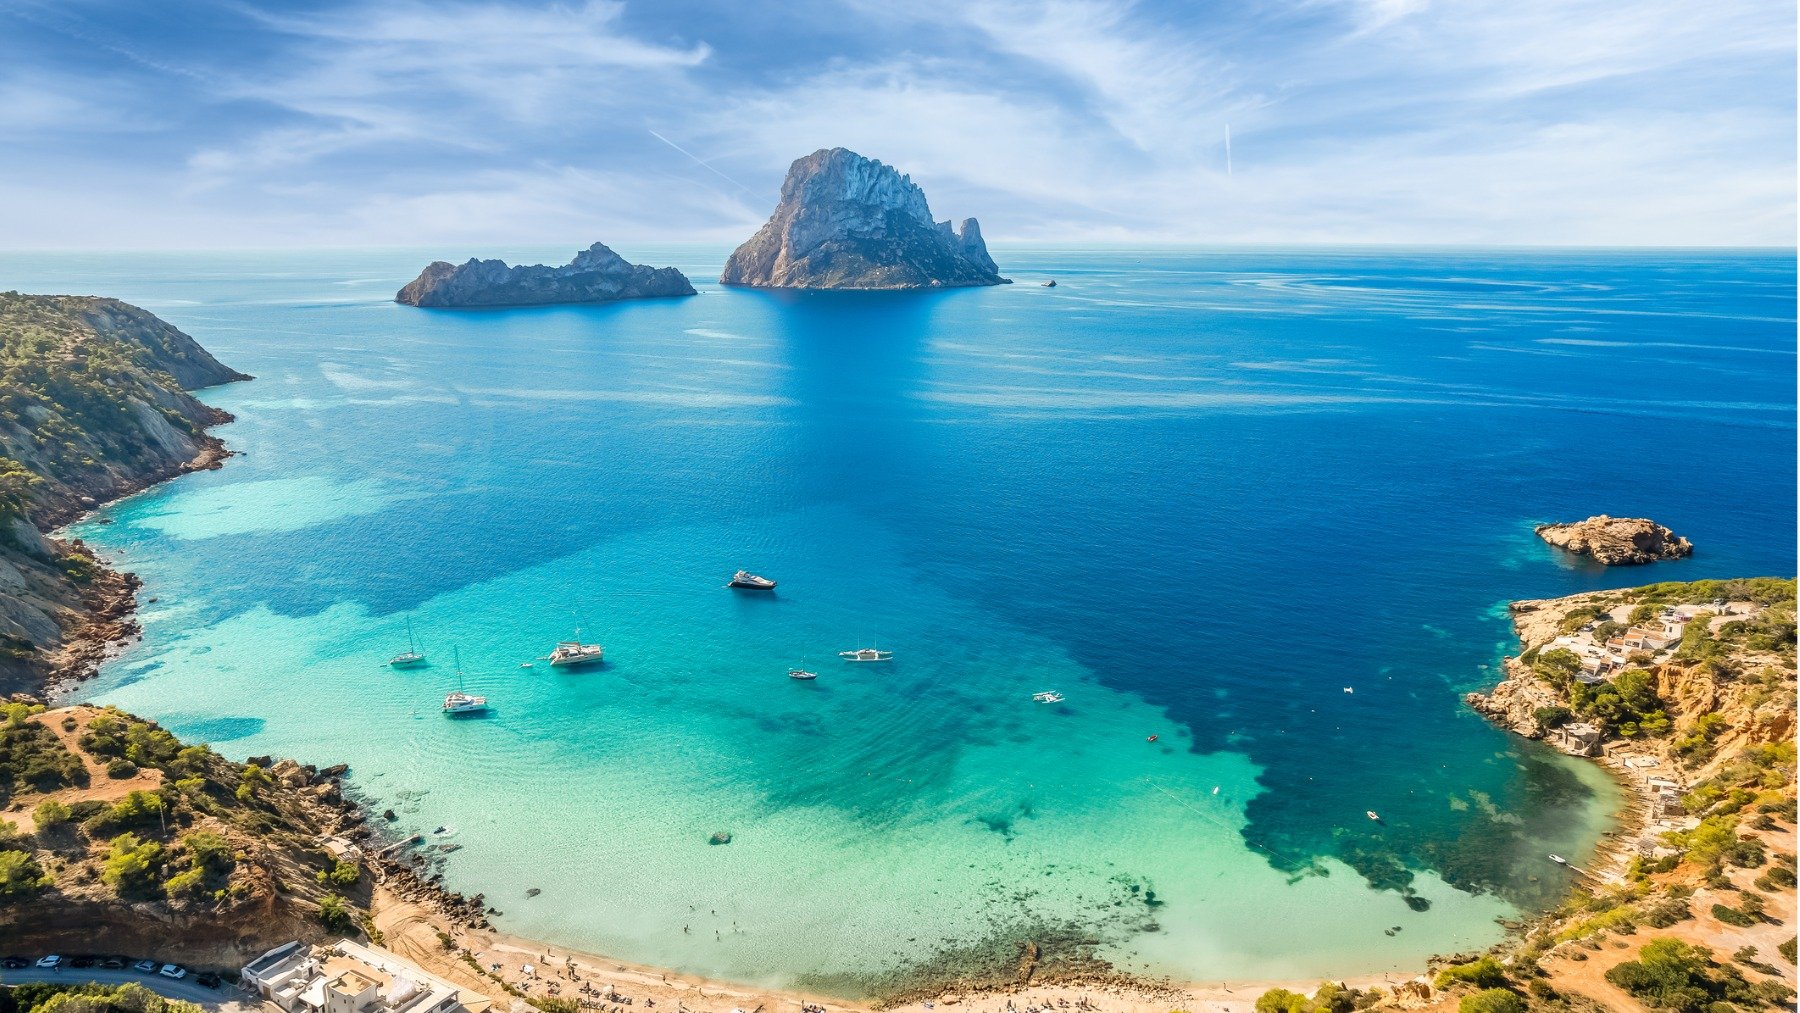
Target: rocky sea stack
pixel 1617 541
pixel 597 274
pixel 849 222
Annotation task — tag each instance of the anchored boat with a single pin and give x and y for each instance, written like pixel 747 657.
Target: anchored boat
pixel 867 654
pixel 570 653
pixel 409 658
pixel 459 702
pixel 1048 696
pixel 744 580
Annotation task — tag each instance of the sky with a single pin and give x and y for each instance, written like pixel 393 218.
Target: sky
pixel 459 123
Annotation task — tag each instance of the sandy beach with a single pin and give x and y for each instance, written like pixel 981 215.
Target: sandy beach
pixel 616 986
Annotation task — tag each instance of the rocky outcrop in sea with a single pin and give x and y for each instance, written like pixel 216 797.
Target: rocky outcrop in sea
pixel 1617 541
pixel 597 274
pixel 849 222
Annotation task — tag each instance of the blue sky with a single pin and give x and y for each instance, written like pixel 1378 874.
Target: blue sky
pixel 457 123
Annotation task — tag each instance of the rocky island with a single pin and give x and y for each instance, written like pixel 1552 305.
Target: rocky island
pixel 1617 541
pixel 849 222
pixel 97 407
pixel 597 274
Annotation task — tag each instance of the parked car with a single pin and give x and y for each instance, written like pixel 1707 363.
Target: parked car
pixel 173 971
pixel 113 963
pixel 209 979
pixel 146 966
pixel 51 962
pixel 81 961
pixel 12 963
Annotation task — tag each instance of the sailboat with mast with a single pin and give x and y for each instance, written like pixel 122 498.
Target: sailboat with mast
pixel 411 657
pixel 460 702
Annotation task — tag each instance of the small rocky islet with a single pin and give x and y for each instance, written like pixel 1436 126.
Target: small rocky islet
pixel 1617 541
pixel 850 222
pixel 595 275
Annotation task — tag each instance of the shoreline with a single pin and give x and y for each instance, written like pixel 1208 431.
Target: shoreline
pixel 107 622
pixel 409 929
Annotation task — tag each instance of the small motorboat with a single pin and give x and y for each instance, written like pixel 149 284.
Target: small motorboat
pixel 1370 813
pixel 1048 696
pixel 1150 738
pixel 744 580
pixel 1349 689
pixel 1559 860
pixel 867 654
pixel 801 673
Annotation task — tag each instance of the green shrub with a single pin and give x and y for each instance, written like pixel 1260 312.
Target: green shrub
pixel 1665 911
pixel 1491 1000
pixel 1482 972
pixel 32 758
pixel 1732 916
pixel 137 810
pixel 50 814
pixel 1672 974
pixel 132 866
pixel 20 875
pixel 334 915
pixel 1778 877
pixel 120 768
pixel 341 873
pixel 1552 717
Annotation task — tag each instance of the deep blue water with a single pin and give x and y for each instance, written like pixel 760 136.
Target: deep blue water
pixel 1201 492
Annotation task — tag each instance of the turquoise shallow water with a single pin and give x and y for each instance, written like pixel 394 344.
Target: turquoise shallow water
pixel 1197 492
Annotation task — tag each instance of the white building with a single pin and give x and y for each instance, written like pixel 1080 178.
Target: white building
pixel 348 977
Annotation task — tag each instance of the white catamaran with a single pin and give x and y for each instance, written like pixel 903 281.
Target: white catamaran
pixel 570 653
pixel 867 654
pixel 460 702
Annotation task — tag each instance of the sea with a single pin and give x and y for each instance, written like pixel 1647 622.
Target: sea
pixel 1255 513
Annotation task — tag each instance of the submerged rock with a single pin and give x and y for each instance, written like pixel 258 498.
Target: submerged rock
pixel 722 837
pixel 597 274
pixel 849 222
pixel 1617 541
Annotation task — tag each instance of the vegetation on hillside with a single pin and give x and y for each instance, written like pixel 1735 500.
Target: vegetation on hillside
pixel 193 833
pixel 57 997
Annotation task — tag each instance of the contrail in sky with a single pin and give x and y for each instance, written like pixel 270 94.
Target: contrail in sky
pixel 703 164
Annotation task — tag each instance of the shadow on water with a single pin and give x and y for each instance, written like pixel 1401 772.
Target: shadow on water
pixel 855 358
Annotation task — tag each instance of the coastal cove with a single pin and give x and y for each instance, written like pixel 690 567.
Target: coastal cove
pixel 1333 462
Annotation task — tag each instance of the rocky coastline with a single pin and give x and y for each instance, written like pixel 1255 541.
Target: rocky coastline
pixel 62 608
pixel 1684 694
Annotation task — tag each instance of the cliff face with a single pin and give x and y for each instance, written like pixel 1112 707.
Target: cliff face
pixel 597 274
pixel 849 222
pixel 1617 541
pixel 93 408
